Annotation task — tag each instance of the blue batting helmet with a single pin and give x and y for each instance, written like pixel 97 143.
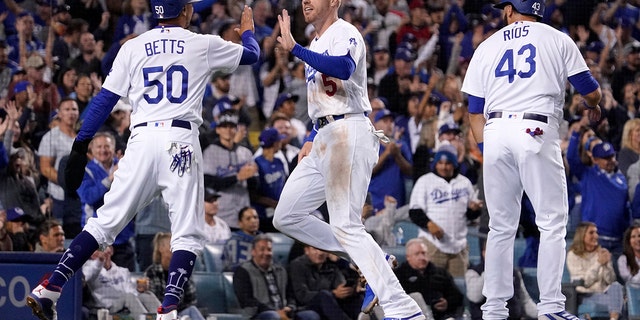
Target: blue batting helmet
pixel 168 9
pixel 528 7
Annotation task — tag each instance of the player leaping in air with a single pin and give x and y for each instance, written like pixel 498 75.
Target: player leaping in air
pixel 163 72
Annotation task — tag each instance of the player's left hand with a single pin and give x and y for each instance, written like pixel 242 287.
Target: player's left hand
pixel 285 38
pixel 74 171
pixel 246 21
pixel 305 150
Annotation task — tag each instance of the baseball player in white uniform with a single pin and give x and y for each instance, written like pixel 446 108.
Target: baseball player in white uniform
pixel 163 72
pixel 516 83
pixel 337 161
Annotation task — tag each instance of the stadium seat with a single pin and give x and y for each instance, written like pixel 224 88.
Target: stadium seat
pixel 519 246
pixel 281 253
pixel 398 251
pixel 280 238
pixel 633 296
pixel 212 256
pixel 530 280
pixel 409 230
pixel 475 255
pixel 215 295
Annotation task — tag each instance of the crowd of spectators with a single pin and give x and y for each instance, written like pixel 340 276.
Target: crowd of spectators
pixel 54 55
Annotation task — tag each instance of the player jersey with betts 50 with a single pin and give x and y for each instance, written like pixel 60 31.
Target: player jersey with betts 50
pixel 332 96
pixel 516 53
pixel 171 87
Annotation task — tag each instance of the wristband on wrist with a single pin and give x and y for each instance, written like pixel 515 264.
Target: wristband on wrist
pixel 584 103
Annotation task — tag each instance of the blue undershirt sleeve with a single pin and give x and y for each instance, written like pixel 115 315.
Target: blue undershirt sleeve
pixel 584 82
pixel 251 51
pixel 341 67
pixel 96 114
pixel 312 134
pixel 476 104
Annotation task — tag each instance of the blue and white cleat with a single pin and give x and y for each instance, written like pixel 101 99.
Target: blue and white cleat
pixel 42 301
pixel 370 299
pixel 417 316
pixel 562 315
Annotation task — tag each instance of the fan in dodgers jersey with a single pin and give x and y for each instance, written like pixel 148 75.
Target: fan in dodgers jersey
pixel 163 72
pixel 337 160
pixel 516 85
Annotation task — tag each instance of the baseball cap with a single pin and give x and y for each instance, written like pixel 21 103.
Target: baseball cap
pixel 383 113
pixel 380 48
pixel 416 4
pixel 121 105
pixel 633 47
pixel 448 153
pixel 270 136
pixel 35 61
pixel 284 97
pixel 228 117
pixel 226 102
pixel 404 54
pixel 409 38
pixel 448 127
pixel 603 150
pixel 210 195
pixel 16 214
pixel 21 86
pixel 61 8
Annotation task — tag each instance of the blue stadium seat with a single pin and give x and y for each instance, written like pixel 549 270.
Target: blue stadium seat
pixel 409 230
pixel 519 246
pixel 212 256
pixel 281 253
pixel 280 238
pixel 475 255
pixel 215 295
pixel 633 296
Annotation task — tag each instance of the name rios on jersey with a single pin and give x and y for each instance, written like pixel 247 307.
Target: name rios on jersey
pixel 164 46
pixel 441 196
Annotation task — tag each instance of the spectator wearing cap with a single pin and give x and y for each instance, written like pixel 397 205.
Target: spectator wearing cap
pixel 117 125
pixel 50 237
pixel 418 23
pixel 18 227
pixel 380 64
pixel 388 18
pixel 288 152
pixel 626 73
pixel 428 135
pixel 442 202
pixel 271 177
pixel 394 164
pixel 286 104
pixel 229 168
pixel 25 34
pixel 396 86
pixel 216 230
pixel 297 85
pixel 19 183
pixel 605 196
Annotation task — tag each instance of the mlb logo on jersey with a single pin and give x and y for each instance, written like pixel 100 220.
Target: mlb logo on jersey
pixel 161 124
pixel 513 116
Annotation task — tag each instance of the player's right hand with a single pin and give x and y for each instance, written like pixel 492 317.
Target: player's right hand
pixel 74 171
pixel 285 38
pixel 246 21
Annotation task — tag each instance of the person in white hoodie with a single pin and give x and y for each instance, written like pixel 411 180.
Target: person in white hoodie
pixel 112 287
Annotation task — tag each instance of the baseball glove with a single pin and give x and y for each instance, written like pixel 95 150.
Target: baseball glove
pixel 74 170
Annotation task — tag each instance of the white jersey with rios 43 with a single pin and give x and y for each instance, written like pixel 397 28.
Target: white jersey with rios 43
pixel 524 51
pixel 164 72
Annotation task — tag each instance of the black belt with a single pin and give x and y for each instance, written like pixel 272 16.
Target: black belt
pixel 328 119
pixel 526 115
pixel 174 123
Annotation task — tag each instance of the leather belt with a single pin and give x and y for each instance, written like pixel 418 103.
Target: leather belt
pixel 526 115
pixel 174 123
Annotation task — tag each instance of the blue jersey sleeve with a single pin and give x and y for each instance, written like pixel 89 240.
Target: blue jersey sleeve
pixel 97 112
pixel 584 82
pixel 341 67
pixel 251 51
pixel 476 104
